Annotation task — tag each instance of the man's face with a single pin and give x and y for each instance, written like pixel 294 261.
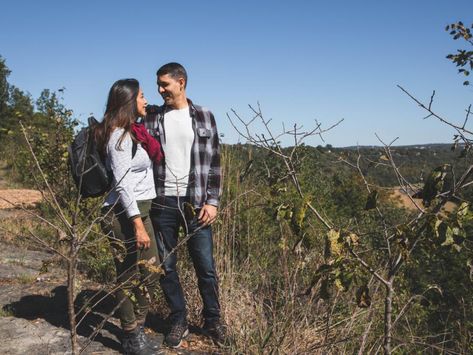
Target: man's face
pixel 170 89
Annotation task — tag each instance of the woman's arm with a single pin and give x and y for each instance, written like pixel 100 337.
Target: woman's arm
pixel 120 163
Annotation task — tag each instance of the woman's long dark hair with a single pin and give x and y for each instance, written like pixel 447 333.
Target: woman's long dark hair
pixel 121 112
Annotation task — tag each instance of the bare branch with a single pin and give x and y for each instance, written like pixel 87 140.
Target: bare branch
pixel 468 112
pixel 456 127
pixel 51 192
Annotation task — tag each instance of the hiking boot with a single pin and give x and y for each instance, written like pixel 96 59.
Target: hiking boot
pixel 178 332
pixel 217 332
pixel 133 343
pixel 150 342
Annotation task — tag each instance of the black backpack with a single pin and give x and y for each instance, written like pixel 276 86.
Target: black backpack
pixel 88 169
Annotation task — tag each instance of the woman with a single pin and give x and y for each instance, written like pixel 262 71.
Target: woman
pixel 128 150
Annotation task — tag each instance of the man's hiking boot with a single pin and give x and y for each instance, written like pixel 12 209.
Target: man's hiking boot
pixel 179 331
pixel 217 332
pixel 150 342
pixel 133 343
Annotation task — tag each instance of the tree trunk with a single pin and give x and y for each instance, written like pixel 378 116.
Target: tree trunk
pixel 71 277
pixel 388 304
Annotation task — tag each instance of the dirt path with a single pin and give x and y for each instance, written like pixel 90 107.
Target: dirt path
pixel 11 197
pixel 17 198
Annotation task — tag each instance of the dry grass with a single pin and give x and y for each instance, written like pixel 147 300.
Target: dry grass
pixel 14 226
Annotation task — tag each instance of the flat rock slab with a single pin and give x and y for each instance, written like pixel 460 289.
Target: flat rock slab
pixel 33 306
pixel 21 336
pixel 33 310
pixel 16 262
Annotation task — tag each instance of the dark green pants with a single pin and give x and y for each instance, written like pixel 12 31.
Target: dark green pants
pixel 137 270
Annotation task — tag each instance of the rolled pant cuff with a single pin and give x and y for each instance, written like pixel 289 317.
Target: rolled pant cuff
pixel 129 326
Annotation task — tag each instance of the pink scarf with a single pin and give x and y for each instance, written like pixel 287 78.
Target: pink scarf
pixel 150 144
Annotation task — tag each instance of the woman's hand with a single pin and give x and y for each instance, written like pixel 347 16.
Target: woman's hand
pixel 142 237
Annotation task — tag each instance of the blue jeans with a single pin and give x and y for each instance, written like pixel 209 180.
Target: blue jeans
pixel 166 219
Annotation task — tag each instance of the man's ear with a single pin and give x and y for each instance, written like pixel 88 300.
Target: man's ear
pixel 182 83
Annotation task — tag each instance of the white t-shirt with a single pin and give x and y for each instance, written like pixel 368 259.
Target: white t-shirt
pixel 177 151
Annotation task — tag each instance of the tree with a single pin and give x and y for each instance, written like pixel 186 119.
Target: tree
pixel 4 73
pixel 20 105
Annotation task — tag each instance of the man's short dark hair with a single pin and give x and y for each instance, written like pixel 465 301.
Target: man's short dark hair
pixel 175 70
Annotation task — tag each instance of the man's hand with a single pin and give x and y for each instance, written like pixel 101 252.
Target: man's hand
pixel 207 215
pixel 142 237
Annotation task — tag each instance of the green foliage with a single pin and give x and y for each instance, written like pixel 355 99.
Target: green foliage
pixel 50 129
pixel 298 215
pixel 450 306
pixel 4 87
pixel 463 58
pixel 434 184
pixel 97 260
pixel 346 195
pixel 371 201
pixel 414 162
pixel 363 298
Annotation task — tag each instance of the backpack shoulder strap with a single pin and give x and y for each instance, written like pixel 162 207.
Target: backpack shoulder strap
pixel 133 149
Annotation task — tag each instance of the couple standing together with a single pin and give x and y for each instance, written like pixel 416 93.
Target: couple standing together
pixel 155 195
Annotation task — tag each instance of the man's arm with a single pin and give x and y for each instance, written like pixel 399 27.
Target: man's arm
pixel 208 213
pixel 214 178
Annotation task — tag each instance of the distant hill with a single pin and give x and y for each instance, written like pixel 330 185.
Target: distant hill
pixel 414 162
pixel 418 146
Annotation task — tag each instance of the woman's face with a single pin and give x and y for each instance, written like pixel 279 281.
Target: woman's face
pixel 141 104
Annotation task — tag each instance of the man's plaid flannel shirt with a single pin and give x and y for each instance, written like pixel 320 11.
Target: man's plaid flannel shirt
pixel 205 174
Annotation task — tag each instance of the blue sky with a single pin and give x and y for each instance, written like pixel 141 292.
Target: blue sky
pixel 301 60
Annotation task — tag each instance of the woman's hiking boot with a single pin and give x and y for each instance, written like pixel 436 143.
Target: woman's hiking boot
pixel 151 342
pixel 133 343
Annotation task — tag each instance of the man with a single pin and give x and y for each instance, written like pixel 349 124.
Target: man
pixel 188 188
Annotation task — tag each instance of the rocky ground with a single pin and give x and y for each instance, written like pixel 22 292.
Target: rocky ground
pixel 33 312
pixel 33 306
